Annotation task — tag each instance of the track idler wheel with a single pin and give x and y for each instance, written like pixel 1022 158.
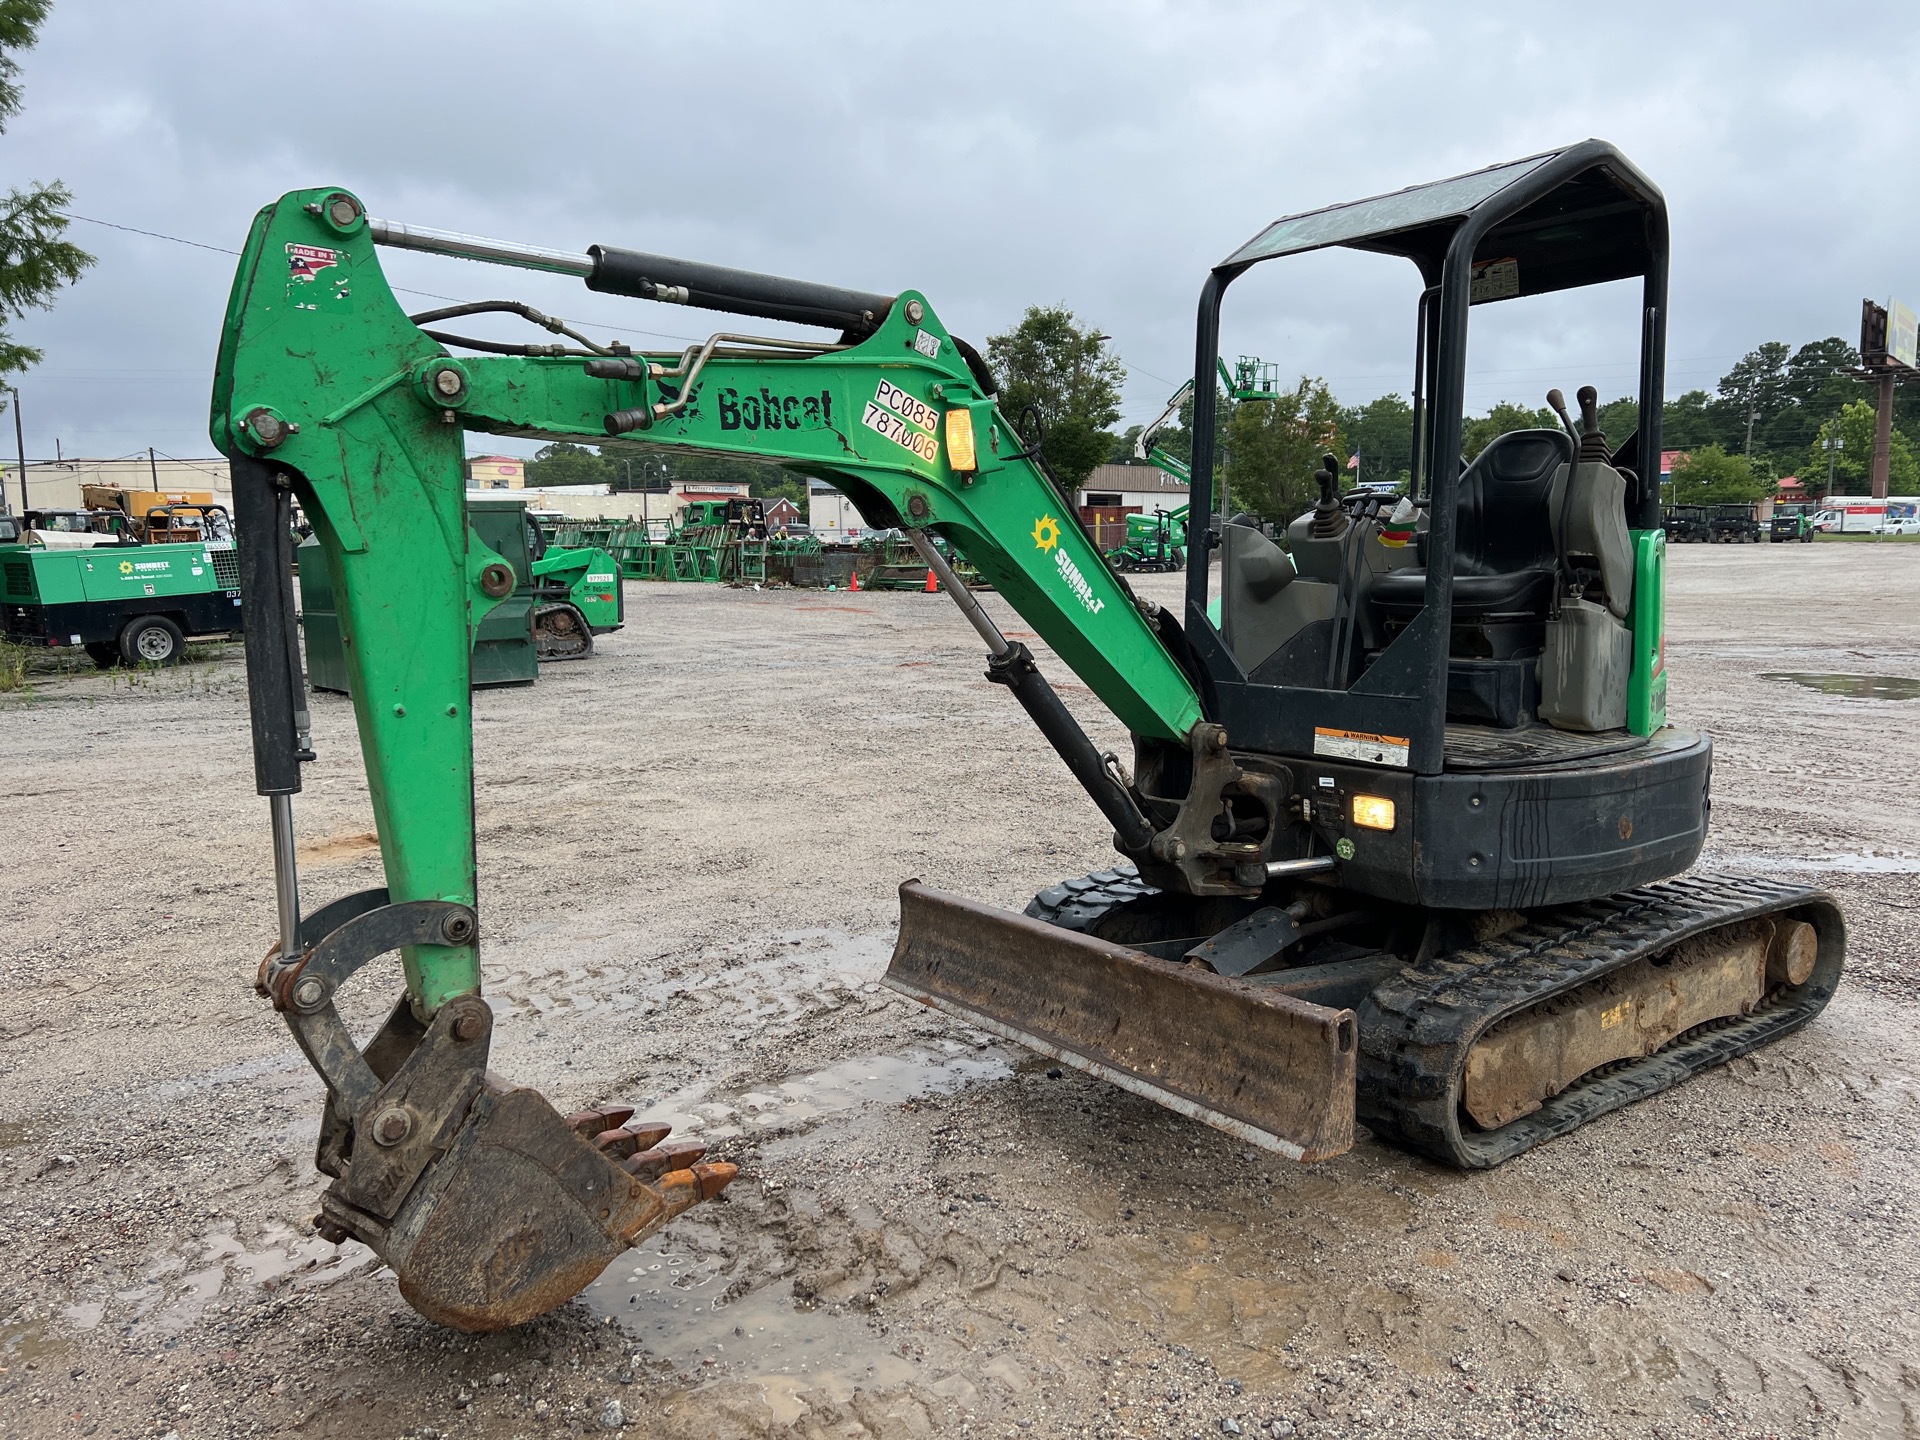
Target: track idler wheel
pixel 490 1206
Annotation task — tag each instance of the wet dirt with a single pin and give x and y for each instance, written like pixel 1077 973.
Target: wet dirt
pixel 687 899
pixel 1853 687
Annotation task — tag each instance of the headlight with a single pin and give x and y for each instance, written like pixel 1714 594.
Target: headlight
pixel 960 454
pixel 1373 812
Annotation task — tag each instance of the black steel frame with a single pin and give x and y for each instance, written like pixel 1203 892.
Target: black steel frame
pixel 1403 692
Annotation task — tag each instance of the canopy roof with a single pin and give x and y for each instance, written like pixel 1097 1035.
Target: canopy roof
pixel 1574 216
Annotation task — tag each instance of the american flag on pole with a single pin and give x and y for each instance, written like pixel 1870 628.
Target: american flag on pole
pixel 1353 461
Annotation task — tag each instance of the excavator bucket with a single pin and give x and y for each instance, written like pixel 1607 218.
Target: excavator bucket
pixel 1268 1068
pixel 523 1210
pixel 490 1206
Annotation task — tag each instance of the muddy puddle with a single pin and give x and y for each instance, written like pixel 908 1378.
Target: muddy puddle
pixel 672 1295
pixel 1851 687
pixel 1867 863
pixel 178 1283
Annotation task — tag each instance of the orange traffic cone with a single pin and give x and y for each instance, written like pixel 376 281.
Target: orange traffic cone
pixel 933 585
pixel 854 582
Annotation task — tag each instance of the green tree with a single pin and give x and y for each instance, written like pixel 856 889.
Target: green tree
pixel 1065 372
pixel 1483 430
pixel 563 463
pixel 1619 420
pixel 1380 432
pixel 1711 476
pixel 1816 387
pixel 1754 391
pixel 35 261
pixel 1687 422
pixel 1852 463
pixel 1274 446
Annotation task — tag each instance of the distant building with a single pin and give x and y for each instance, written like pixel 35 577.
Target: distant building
pixel 1140 489
pixel 56 484
pixel 1113 492
pixel 781 513
pixel 496 472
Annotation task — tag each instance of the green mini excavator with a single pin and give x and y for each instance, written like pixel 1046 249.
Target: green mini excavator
pixel 1399 834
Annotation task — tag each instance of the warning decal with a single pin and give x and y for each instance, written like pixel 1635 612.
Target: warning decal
pixel 1358 745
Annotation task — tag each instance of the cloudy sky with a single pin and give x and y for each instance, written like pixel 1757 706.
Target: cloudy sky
pixel 990 155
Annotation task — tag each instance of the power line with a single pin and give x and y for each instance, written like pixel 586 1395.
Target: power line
pixel 397 289
pixel 150 234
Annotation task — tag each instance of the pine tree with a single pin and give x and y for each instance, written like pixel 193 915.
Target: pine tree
pixel 35 259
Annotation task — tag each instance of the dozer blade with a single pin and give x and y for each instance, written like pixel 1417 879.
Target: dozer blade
pixel 1270 1069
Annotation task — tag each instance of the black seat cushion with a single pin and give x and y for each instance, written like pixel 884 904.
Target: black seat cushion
pixel 1503 554
pixel 1400 592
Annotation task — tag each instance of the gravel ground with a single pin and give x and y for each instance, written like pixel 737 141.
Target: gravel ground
pixel 689 847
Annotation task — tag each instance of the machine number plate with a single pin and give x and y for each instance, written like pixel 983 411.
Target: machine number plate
pixel 914 412
pixel 1359 745
pixel 882 419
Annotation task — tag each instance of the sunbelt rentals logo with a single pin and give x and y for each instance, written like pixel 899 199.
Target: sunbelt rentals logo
pixel 1046 538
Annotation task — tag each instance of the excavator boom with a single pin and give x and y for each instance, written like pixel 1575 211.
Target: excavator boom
pixel 489 1205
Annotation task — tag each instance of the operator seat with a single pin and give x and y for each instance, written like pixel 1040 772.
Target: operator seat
pixel 1503 552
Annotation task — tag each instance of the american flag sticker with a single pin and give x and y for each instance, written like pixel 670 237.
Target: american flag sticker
pixel 305 262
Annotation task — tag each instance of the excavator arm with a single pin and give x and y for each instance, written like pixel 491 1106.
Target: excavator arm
pixel 489 1205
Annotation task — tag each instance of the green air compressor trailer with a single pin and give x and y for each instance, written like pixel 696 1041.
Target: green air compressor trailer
pixel 130 604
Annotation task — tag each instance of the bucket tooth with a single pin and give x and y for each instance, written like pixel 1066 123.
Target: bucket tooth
pixel 589 1123
pixel 630 1139
pixel 680 1189
pixel 677 1155
pixel 1268 1068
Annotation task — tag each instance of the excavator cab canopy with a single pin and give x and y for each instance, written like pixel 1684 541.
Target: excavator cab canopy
pixel 1559 220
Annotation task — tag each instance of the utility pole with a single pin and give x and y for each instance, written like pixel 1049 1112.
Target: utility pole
pixel 1882 437
pixel 1835 444
pixel 20 440
pixel 1751 412
pixel 153 469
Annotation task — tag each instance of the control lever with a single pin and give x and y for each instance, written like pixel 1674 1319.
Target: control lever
pixel 1593 444
pixel 1328 520
pixel 1559 404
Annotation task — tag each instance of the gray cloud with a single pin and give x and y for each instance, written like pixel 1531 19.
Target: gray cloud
pixel 1101 154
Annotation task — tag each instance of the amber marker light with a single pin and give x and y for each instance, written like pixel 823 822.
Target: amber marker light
pixel 960 453
pixel 1373 812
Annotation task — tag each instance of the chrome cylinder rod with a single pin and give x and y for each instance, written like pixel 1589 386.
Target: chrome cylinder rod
pixel 286 879
pixel 474 247
pixel 962 596
pixel 1313 865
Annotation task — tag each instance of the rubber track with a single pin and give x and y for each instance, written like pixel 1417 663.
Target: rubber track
pixel 1416 1029
pixel 1076 904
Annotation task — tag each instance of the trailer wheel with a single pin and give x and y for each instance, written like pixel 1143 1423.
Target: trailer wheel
pixel 151 640
pixel 105 654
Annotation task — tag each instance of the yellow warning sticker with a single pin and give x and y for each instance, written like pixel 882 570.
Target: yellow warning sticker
pixel 1359 745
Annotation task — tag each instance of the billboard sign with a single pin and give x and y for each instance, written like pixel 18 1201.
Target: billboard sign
pixel 1903 335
